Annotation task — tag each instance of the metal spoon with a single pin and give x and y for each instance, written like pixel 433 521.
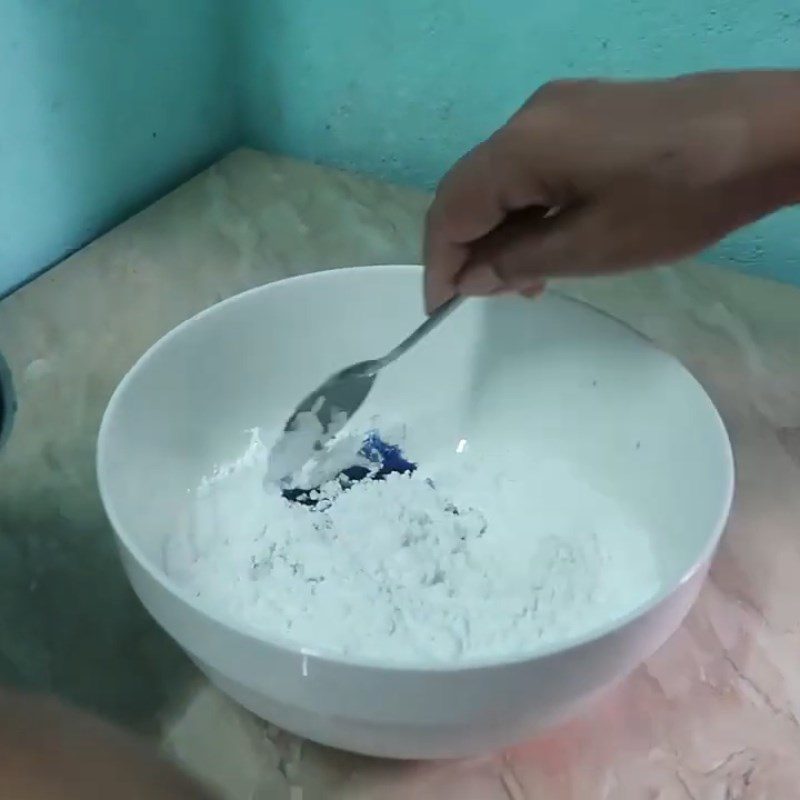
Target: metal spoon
pixel 336 400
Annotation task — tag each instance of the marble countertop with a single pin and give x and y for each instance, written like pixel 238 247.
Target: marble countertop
pixel 712 716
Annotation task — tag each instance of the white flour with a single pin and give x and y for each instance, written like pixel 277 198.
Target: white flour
pixel 388 569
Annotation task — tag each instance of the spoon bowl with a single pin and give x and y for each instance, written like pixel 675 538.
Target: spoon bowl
pixel 324 412
pixel 320 416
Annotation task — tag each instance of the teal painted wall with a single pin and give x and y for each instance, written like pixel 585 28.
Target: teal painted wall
pixel 104 105
pixel 402 89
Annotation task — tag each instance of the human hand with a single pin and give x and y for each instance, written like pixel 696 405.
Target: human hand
pixel 51 752
pixel 593 177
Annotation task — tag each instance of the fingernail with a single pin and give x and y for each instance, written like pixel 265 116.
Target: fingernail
pixel 480 281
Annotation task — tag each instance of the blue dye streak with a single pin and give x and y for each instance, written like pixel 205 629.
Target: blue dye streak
pixel 389 456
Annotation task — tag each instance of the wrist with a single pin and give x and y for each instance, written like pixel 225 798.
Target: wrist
pixel 774 121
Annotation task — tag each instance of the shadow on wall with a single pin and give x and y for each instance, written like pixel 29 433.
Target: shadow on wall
pixel 70 623
pixel 106 106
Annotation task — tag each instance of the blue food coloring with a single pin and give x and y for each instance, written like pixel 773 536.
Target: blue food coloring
pixel 384 458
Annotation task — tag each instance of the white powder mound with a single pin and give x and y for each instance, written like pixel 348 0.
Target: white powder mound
pixel 449 563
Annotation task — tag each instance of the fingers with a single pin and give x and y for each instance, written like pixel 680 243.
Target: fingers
pixel 461 212
pixel 526 250
pixel 594 238
pixel 444 260
pixel 471 201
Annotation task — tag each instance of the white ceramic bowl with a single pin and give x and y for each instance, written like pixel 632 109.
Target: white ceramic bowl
pixel 564 377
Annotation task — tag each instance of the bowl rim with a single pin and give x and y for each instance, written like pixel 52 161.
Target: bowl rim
pixel 8 401
pixel 232 625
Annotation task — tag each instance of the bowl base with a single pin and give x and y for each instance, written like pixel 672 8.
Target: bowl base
pixel 392 740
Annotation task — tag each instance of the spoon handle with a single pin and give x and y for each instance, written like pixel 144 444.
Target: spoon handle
pixel 423 330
